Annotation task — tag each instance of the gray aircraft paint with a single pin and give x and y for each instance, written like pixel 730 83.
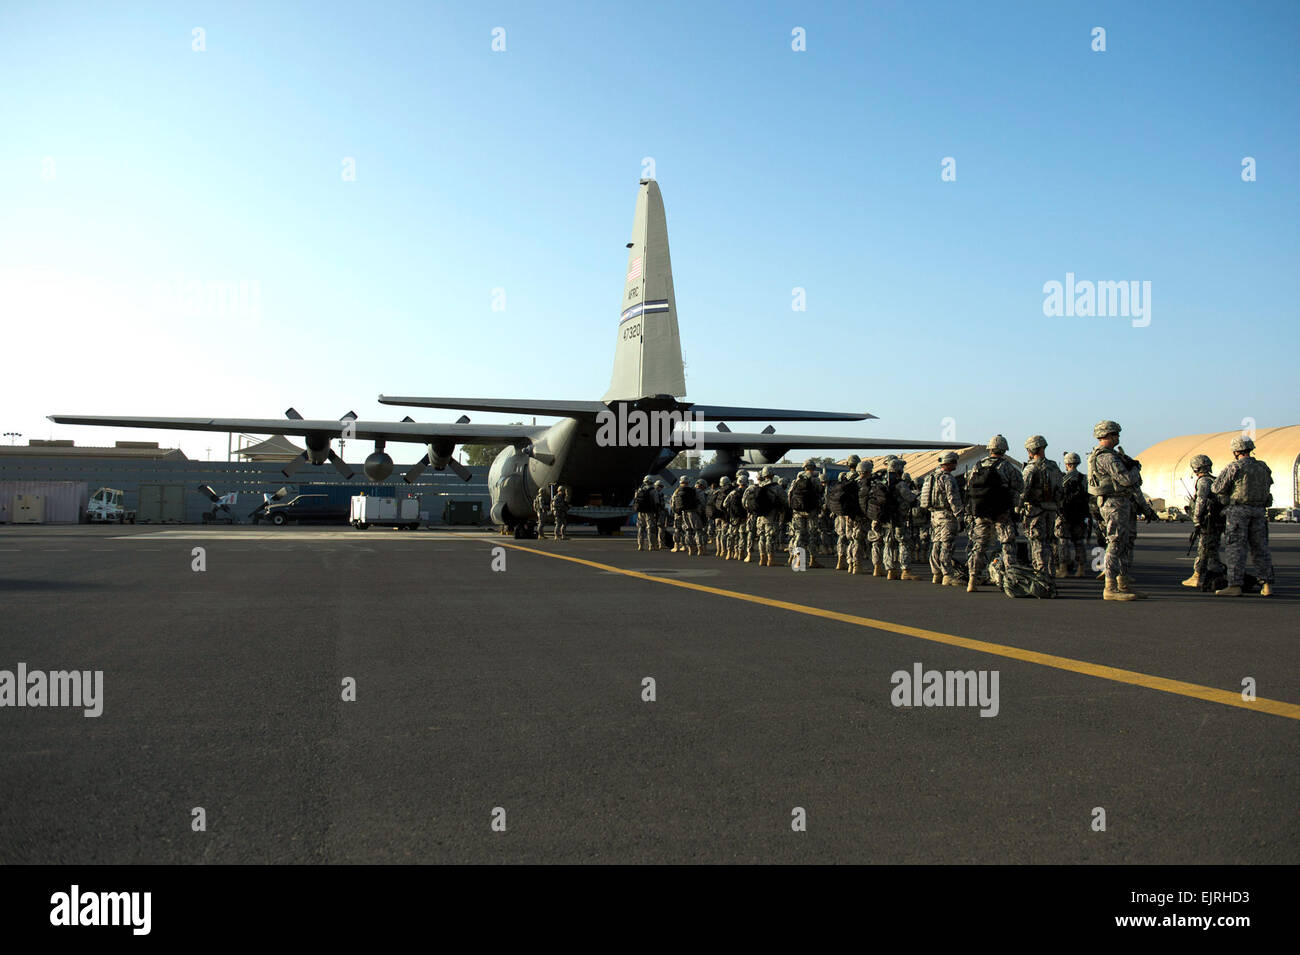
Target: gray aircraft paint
pixel 648 348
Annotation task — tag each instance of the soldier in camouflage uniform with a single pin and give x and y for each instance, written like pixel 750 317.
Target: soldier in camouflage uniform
pixel 1246 483
pixel 698 516
pixel 646 502
pixel 1041 503
pixel 735 512
pixel 718 496
pixel 841 532
pixel 1072 522
pixel 1206 514
pixel 665 516
pixel 891 541
pixel 805 499
pixel 683 507
pixel 859 528
pixel 1001 525
pixel 747 531
pixel 541 506
pixel 942 498
pixel 769 524
pixel 825 523
pixel 560 508
pixel 1113 477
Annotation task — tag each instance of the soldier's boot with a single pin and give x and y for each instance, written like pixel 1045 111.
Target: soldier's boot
pixel 1125 584
pixel 839 563
pixel 1078 571
pixel 971 586
pixel 1112 592
pixel 893 574
pixel 1266 590
pixel 907 575
pixel 951 582
pixel 699 550
pixel 1062 570
pixel 936 578
pixel 1234 591
pixel 878 570
pixel 749 558
pixel 770 562
pixel 639 546
pixel 1193 581
pixel 813 561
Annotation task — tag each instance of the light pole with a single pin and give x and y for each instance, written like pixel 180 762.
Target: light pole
pixel 13 436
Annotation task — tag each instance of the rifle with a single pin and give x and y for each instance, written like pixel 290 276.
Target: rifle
pixel 1191 541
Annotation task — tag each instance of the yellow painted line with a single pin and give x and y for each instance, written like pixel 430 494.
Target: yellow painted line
pixel 1195 690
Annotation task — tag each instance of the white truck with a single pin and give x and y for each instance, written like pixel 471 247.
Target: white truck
pixel 106 506
pixel 390 511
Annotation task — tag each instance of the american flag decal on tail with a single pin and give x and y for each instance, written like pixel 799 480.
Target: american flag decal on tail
pixel 634 269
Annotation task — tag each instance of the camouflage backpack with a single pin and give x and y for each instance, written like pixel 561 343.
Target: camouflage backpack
pixel 1017 580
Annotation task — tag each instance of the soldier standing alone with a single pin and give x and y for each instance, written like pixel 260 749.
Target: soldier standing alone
pixel 1246 484
pixel 560 508
pixel 646 503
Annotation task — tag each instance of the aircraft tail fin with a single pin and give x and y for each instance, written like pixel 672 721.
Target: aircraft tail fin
pixel 648 349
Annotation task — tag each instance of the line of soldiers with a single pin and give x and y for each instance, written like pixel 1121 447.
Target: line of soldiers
pixel 874 520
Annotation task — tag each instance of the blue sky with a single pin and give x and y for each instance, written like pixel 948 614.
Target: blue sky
pixel 133 168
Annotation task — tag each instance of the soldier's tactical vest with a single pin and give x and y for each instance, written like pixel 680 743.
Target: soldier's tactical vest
pixel 734 504
pixel 928 498
pixel 1074 497
pixel 1043 484
pixel 1099 485
pixel 1253 483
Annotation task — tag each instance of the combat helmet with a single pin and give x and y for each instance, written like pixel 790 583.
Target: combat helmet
pixel 810 465
pixel 700 482
pixel 725 481
pixel 864 467
pixel 1201 462
pixel 742 477
pixel 1035 442
pixel 766 472
pixel 1072 458
pixel 682 481
pixel 896 465
pixel 949 457
pixel 1103 428
pixel 659 483
pixel 997 444
pixel 1242 443
pixel 853 460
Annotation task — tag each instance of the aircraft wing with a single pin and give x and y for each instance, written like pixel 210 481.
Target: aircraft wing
pixel 593 408
pixel 735 441
pixel 413 432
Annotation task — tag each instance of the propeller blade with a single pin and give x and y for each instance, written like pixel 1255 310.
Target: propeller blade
pixel 462 472
pixel 341 466
pixel 350 414
pixel 768 430
pixel 292 414
pixel 722 426
pixel 294 465
pixel 211 495
pixel 463 419
pixel 416 470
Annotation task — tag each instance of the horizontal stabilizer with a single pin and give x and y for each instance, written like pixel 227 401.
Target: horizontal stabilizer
pixel 732 440
pixel 562 409
pixel 724 413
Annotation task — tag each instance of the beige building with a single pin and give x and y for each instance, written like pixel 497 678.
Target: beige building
pixel 1167 470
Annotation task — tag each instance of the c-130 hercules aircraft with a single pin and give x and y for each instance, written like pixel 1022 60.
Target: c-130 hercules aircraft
pixel 591 449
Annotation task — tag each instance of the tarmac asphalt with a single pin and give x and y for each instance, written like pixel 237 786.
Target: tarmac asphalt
pixel 481 688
